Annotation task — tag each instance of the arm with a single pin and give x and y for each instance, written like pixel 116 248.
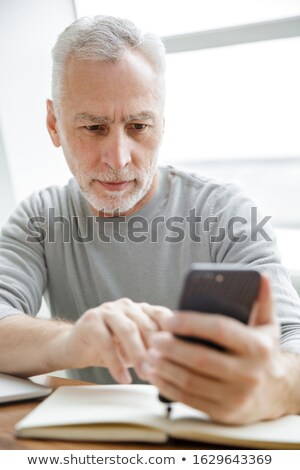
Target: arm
pixel 115 335
pixel 258 376
pixel 27 345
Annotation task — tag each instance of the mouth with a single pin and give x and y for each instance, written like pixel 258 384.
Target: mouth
pixel 116 185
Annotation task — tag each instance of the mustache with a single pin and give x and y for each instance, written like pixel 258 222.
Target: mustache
pixel 115 176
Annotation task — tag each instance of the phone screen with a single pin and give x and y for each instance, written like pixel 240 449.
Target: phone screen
pixel 222 289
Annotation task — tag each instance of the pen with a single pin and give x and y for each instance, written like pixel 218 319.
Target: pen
pixel 168 402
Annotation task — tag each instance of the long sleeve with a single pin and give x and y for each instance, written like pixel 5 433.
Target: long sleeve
pixel 23 273
pixel 249 238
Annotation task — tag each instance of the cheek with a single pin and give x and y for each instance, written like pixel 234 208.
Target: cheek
pixel 150 142
pixel 81 150
pixel 153 146
pixel 143 155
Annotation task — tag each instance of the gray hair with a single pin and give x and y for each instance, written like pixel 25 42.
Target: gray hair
pixel 103 38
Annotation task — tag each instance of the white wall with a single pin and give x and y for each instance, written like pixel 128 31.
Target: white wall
pixel 28 30
pixel 6 192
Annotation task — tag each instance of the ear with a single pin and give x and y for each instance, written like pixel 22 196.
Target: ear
pixel 52 124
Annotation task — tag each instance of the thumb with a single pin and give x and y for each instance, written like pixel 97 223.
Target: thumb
pixel 263 310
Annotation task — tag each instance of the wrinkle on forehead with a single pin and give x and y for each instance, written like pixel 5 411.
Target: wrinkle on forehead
pixel 98 119
pixel 106 92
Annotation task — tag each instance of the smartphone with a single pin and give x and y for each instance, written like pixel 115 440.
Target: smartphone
pixel 227 289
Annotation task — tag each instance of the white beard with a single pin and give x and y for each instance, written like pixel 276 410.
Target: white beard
pixel 117 202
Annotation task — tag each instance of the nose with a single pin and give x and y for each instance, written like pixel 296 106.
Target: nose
pixel 116 150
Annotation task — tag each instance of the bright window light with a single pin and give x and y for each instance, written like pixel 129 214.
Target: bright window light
pixel 169 17
pixel 233 102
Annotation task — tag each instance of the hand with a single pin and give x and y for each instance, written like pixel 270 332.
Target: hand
pixel 246 383
pixel 115 335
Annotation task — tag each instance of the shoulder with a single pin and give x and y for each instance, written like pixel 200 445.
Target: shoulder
pixel 198 181
pixel 202 190
pixel 58 197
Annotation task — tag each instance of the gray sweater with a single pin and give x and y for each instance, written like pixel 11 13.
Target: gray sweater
pixel 53 246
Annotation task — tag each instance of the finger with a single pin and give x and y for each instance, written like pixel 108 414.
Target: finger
pixel 173 393
pixel 218 411
pixel 227 332
pixel 139 314
pixel 121 352
pixel 185 379
pixel 198 358
pixel 97 339
pixel 115 363
pixel 128 336
pixel 264 312
pixel 158 314
pixel 227 393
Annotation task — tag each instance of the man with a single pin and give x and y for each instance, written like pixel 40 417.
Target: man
pixel 109 255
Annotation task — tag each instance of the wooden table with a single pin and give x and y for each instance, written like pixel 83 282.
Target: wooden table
pixel 11 413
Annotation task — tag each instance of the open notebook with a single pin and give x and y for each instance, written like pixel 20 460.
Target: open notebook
pixel 15 389
pixel 133 413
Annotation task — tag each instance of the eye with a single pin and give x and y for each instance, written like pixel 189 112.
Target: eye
pixel 95 128
pixel 136 126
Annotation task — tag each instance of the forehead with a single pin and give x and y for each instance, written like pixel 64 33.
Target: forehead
pixel 127 82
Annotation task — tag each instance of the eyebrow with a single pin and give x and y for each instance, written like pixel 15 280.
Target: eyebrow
pixel 91 117
pixel 144 115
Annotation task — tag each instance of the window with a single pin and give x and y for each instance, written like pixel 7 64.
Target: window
pixel 232 113
pixel 172 17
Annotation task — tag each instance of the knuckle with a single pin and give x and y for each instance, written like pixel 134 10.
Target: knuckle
pixel 107 313
pixel 144 305
pixel 106 307
pixel 128 328
pixel 126 301
pixel 89 315
pixel 157 315
pixel 162 310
